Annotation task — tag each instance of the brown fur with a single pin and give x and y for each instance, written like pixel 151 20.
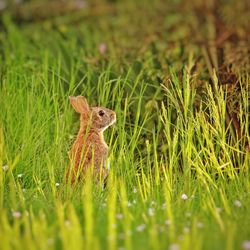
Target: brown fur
pixel 89 148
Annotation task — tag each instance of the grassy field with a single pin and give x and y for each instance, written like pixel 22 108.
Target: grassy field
pixel 179 175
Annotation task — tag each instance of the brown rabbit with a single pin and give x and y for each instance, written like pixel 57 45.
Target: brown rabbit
pixel 89 148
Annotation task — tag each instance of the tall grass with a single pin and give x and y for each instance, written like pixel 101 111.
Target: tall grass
pixel 178 180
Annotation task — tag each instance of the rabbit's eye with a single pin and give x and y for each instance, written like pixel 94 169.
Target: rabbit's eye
pixel 101 113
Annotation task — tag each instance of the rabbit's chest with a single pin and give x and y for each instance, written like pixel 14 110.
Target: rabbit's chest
pixel 98 145
pixel 101 150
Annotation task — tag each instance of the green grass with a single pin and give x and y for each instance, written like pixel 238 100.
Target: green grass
pixel 179 176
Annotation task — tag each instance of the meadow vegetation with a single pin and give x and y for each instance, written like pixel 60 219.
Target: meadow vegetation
pixel 177 76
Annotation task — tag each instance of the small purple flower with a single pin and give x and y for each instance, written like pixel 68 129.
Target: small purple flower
pixel 80 4
pixel 3 5
pixel 246 245
pixel 102 48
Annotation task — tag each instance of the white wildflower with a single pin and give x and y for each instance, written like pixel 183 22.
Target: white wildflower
pixel 129 204
pixel 184 197
pixel 237 203
pixel 5 167
pixel 151 211
pixel 119 216
pixel 164 206
pixel 152 203
pixel 200 224
pixel 168 222
pixel 20 175
pixel 67 223
pixel 16 214
pixel 57 184
pixel 141 227
pixel 186 230
pixel 174 247
pixel 134 190
pixel 218 209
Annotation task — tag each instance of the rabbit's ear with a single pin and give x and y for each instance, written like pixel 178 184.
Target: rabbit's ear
pixel 79 104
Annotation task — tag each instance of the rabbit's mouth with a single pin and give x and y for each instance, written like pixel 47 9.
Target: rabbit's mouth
pixel 112 119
